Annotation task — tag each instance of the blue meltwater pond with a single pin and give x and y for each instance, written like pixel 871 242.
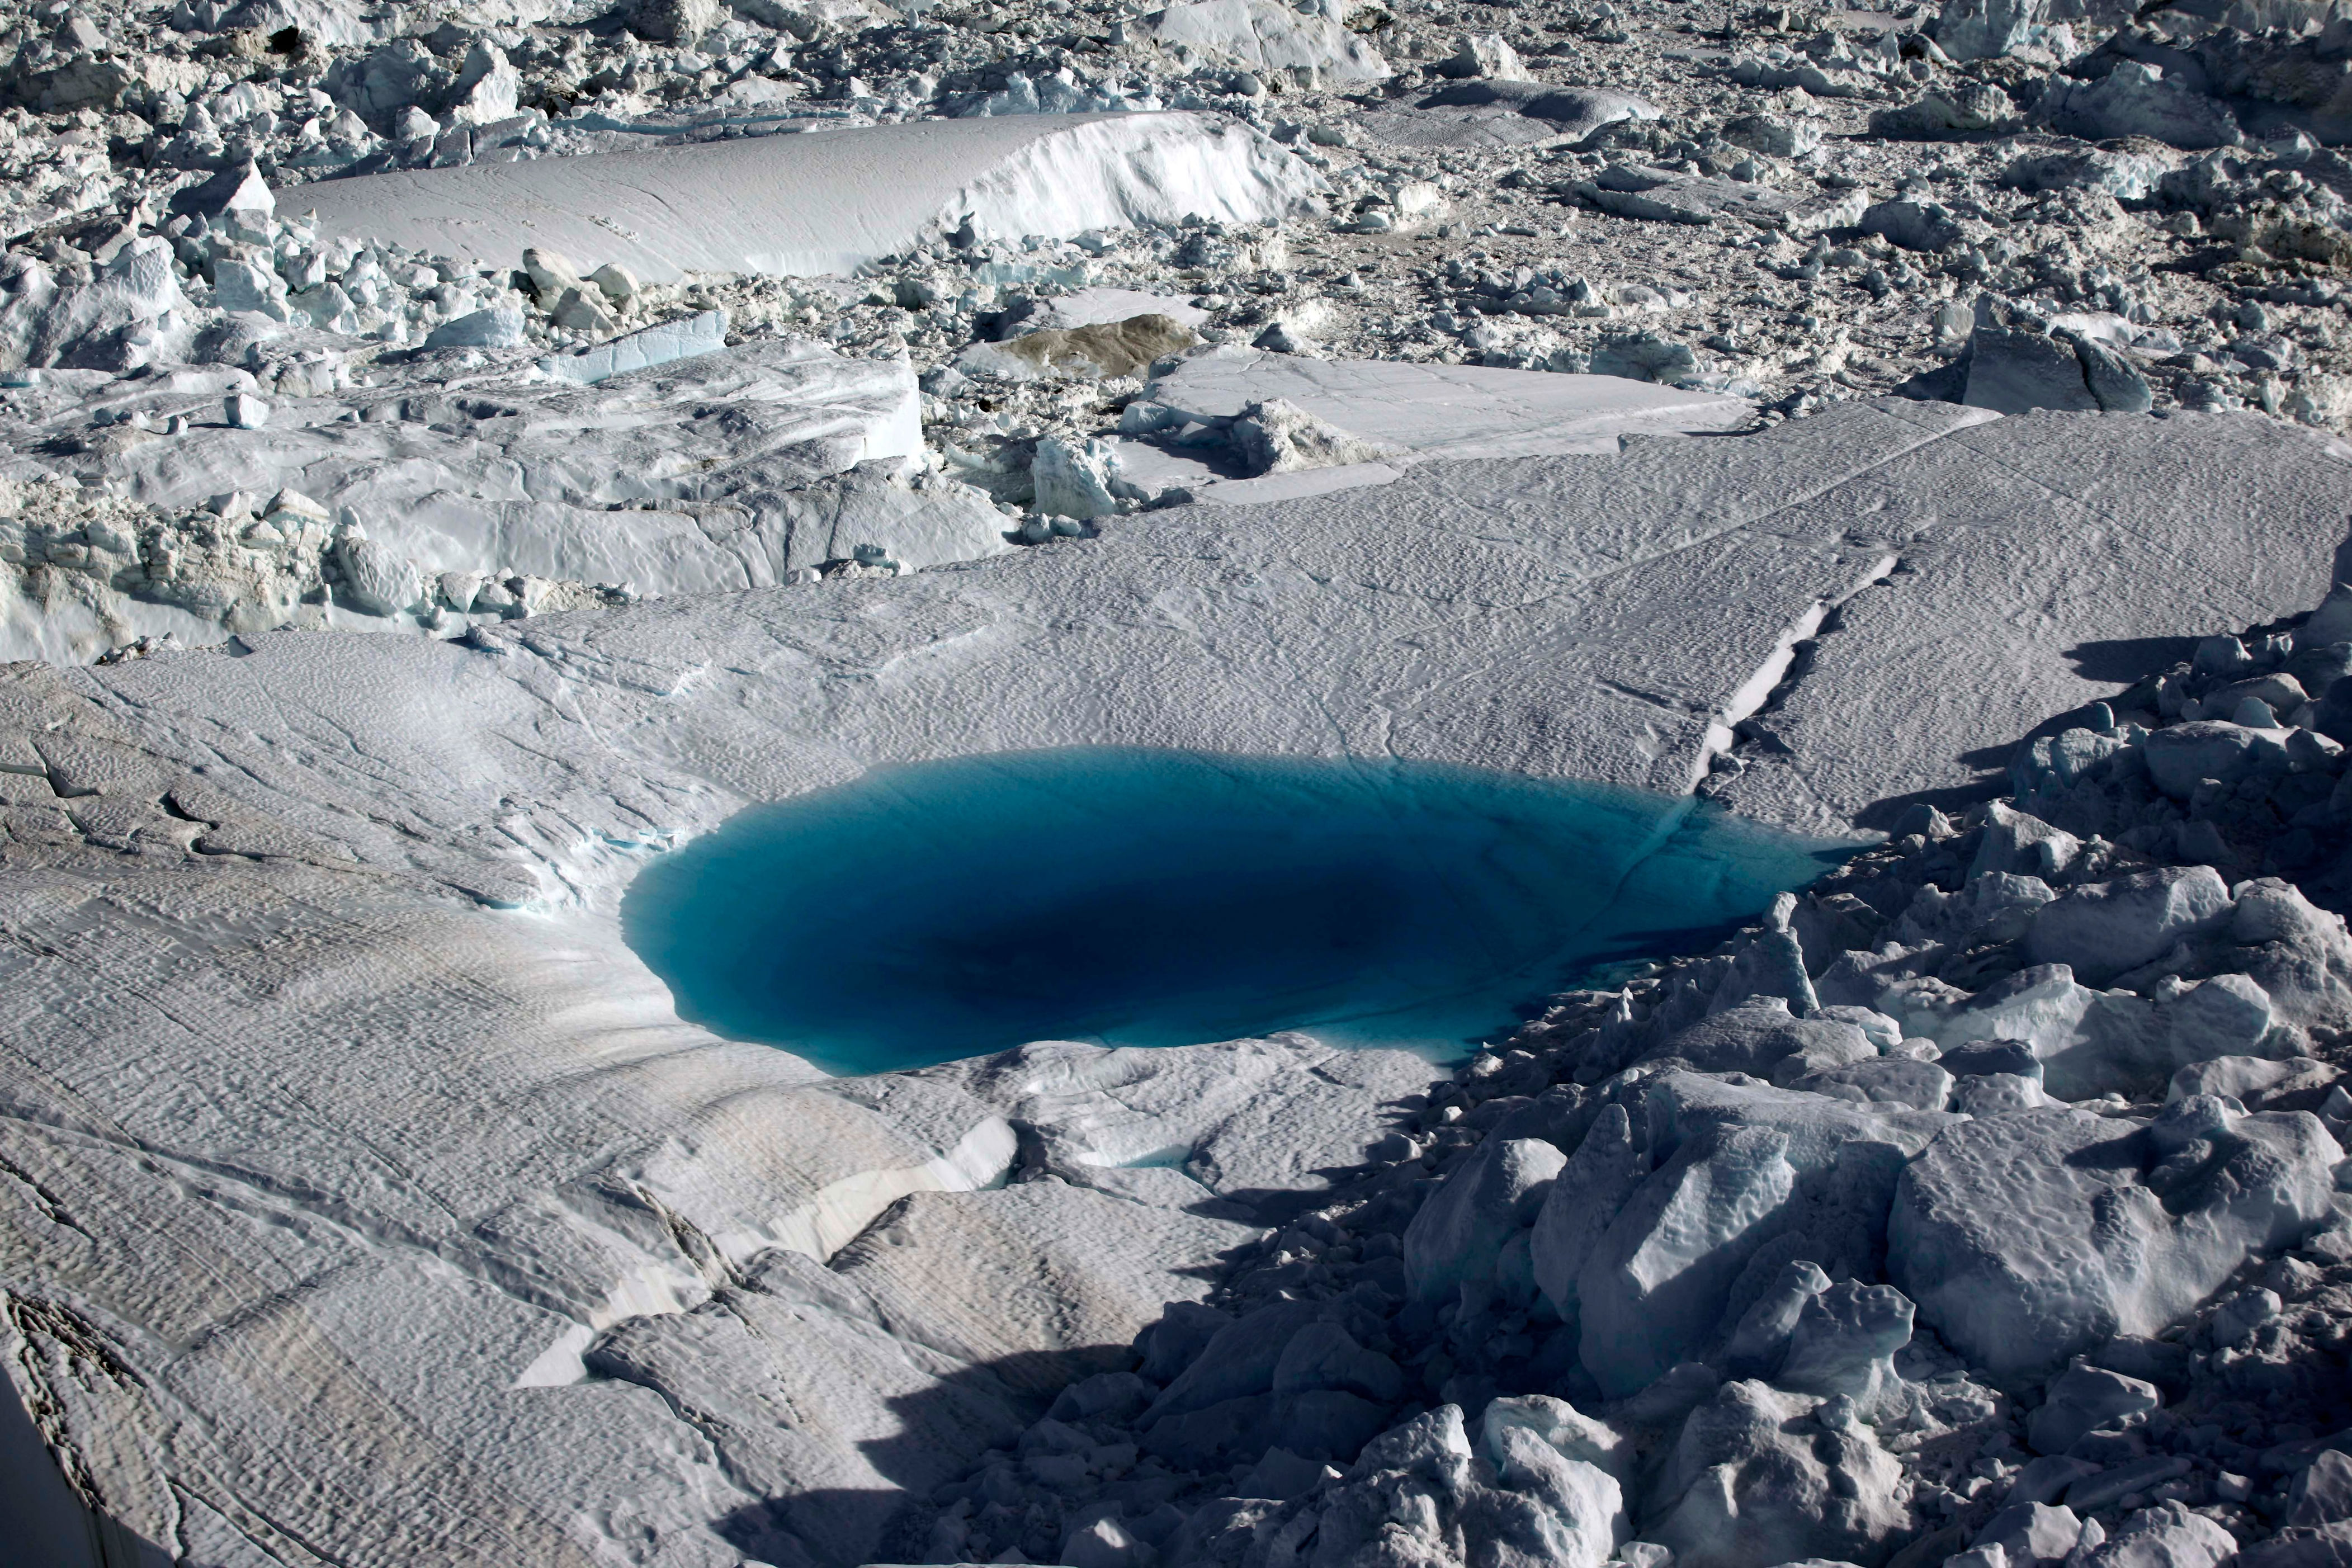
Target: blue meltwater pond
pixel 1148 897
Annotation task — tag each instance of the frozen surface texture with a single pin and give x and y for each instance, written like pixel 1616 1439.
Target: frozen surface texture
pixel 289 921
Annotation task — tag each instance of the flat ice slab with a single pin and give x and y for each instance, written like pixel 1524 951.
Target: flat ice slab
pixel 1417 411
pixel 809 205
pixel 1501 114
pixel 1450 410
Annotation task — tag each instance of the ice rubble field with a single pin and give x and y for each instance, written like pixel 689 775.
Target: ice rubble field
pixel 1846 421
pixel 1148 897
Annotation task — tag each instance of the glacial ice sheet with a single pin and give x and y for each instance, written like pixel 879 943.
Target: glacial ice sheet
pixel 1162 897
pixel 351 1148
pixel 815 203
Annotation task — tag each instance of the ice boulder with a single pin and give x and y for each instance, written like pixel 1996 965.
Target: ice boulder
pixel 2322 1495
pixel 2253 1081
pixel 1238 1360
pixel 1844 1341
pixel 378 580
pixel 2083 1400
pixel 1461 1229
pixel 1759 1341
pixel 1883 1081
pixel 1486 57
pixel 2016 367
pixel 1324 1355
pixel 2017 844
pixel 2182 756
pixel 2086 1042
pixel 2110 927
pixel 1553 1509
pixel 2165 1536
pixel 1280 437
pixel 2299 954
pixel 1748 1179
pixel 1255 1386
pixel 1760 1476
pixel 1415 1494
pixel 1761 1039
pixel 2031 1237
pixel 495 327
pixel 809 205
pixel 2030 1535
pixel 1080 479
pixel 1564 1426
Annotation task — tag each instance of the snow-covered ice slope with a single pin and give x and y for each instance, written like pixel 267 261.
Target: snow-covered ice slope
pixel 324 1178
pixel 808 205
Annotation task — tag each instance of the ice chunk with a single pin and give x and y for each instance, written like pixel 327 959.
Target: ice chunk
pixel 1582 1202
pixel 1264 35
pixel 2028 1238
pixel 1576 1434
pixel 1325 1355
pixel 1760 1476
pixel 2031 1534
pixel 1759 1037
pixel 1081 480
pixel 2180 756
pixel 1760 1339
pixel 1582 1516
pixel 702 333
pixel 1844 1342
pixel 1486 57
pixel 806 206
pixel 2085 1399
pixel 2136 99
pixel 1460 1230
pixel 377 580
pixel 2322 1495
pixel 497 327
pixel 1279 437
pixel 2165 1536
pixel 129 315
pixel 2108 927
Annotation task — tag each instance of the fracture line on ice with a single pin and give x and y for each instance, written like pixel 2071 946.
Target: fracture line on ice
pixel 1758 688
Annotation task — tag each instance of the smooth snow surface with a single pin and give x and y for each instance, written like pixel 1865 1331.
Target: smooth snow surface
pixel 804 206
pixel 1157 898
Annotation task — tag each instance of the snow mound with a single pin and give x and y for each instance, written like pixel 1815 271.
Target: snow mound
pixel 808 205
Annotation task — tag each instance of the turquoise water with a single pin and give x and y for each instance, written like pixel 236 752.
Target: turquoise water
pixel 1150 897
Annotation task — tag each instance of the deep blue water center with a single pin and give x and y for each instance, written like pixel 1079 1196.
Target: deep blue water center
pixel 1152 897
